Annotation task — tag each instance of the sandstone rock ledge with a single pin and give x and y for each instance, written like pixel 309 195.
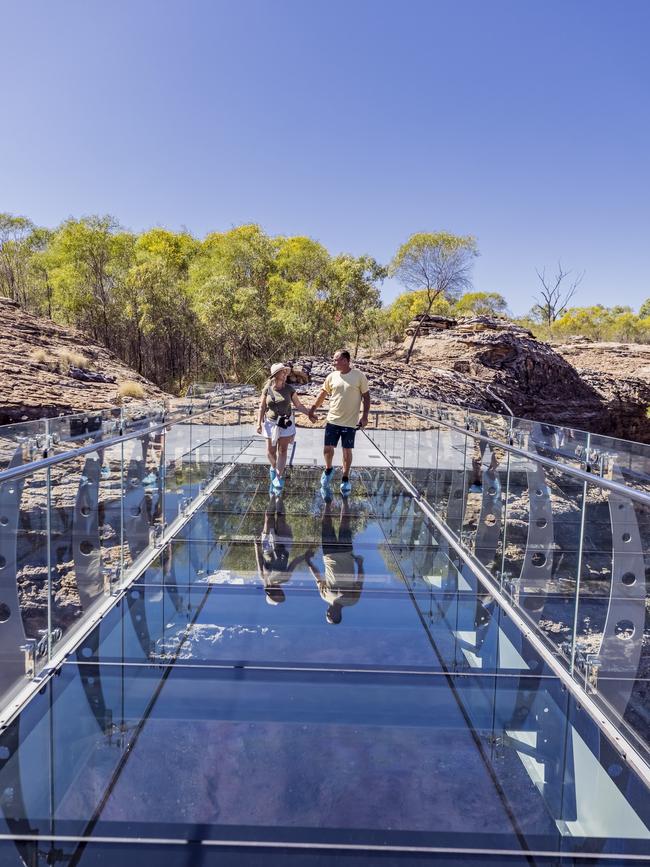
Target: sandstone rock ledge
pixel 38 374
pixel 483 363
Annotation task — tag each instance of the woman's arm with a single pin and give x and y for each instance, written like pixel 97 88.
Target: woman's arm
pixel 260 414
pixel 312 566
pixel 299 405
pixel 322 395
pixel 259 559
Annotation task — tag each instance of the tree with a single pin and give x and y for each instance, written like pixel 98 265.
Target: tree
pixel 644 309
pixel 438 263
pixel 40 284
pixel 14 257
pixel 229 287
pixel 175 250
pixel 555 294
pixel 481 304
pixel 298 291
pixel 86 261
pixel 405 308
pixel 355 294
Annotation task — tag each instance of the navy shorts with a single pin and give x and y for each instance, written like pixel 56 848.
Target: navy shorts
pixel 334 433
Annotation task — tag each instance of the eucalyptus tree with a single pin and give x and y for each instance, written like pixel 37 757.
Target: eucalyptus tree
pixel 86 261
pixel 355 295
pixel 481 304
pixel 299 289
pixel 436 263
pixel 14 257
pixel 229 287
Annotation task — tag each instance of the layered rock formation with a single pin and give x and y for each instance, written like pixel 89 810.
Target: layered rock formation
pixel 620 374
pixel 480 362
pixel 492 364
pixel 47 369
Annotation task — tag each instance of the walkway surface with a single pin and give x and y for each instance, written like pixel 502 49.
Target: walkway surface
pixel 309 671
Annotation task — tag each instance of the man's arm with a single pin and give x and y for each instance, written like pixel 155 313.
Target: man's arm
pixel 365 399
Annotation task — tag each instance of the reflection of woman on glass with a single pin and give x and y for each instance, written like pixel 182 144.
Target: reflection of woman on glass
pixel 342 584
pixel 273 550
pixel 275 420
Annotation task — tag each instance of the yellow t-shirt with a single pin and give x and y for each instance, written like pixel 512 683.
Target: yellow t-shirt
pixel 344 391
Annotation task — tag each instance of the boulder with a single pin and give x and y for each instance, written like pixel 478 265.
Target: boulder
pixel 299 374
pixel 428 323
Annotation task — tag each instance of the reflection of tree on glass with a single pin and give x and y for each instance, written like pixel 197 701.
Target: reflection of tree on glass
pixel 273 550
pixel 342 583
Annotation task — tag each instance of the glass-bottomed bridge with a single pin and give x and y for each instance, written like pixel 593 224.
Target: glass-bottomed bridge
pixel 449 666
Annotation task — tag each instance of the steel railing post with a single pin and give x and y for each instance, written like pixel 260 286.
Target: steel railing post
pixel 505 509
pixel 48 532
pixel 581 541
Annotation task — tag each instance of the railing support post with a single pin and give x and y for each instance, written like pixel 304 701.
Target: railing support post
pixel 581 541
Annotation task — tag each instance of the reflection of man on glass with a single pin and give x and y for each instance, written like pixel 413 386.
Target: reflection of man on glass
pixel 478 456
pixel 343 580
pixel 273 550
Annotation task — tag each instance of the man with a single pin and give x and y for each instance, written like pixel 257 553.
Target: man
pixel 347 388
pixel 342 584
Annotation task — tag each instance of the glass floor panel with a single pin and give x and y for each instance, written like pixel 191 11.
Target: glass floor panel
pixel 340 693
pixel 325 757
pixel 249 623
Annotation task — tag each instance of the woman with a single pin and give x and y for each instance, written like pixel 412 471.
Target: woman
pixel 273 550
pixel 275 420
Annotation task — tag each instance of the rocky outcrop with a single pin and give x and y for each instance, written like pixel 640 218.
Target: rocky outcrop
pixel 620 374
pixel 490 364
pixel 481 362
pixel 629 360
pixel 429 323
pixel 48 370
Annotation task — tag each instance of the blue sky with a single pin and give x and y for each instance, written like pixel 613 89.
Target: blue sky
pixel 526 124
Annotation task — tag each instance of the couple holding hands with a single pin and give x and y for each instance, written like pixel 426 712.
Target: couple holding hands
pixel 345 387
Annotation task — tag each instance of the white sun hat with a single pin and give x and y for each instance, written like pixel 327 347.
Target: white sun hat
pixel 277 367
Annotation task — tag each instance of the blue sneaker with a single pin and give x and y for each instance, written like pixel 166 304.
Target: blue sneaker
pixel 150 482
pixel 326 479
pixel 346 488
pixel 272 474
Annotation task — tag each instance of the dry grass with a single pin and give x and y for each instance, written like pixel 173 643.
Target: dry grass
pixel 130 389
pixel 68 358
pixel 42 356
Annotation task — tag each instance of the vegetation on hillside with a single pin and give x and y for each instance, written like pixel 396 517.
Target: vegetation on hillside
pixel 178 309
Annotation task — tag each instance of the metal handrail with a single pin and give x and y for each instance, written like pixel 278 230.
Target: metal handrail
pixel 31 467
pixel 583 475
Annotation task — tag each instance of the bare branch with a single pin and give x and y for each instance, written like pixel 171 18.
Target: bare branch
pixel 554 296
